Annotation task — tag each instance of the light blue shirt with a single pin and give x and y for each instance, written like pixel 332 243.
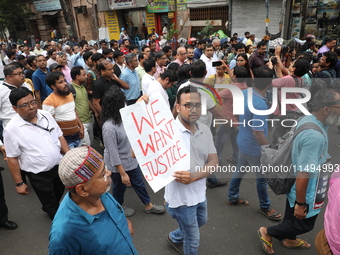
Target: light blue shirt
pixel 75 231
pixel 131 77
pixel 309 151
pixel 77 60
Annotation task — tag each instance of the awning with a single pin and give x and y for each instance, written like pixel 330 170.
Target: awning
pixel 49 13
pixel 196 4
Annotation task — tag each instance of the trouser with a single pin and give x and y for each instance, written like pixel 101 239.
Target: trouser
pixel 137 184
pixel 290 227
pixel 88 134
pixel 49 189
pixel 189 219
pixel 3 206
pixel 132 101
pixel 321 244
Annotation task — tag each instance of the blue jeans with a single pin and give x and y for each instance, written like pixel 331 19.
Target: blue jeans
pixel 223 132
pixel 189 219
pixel 137 184
pixel 74 144
pixel 261 182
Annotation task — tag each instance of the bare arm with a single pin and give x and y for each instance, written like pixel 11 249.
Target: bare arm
pixel 260 138
pixel 96 114
pixel 122 83
pixel 96 105
pixel 81 126
pixel 14 168
pixel 302 179
pixel 38 98
pixel 64 145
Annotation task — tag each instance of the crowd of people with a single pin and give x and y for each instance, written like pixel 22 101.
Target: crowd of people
pixel 55 100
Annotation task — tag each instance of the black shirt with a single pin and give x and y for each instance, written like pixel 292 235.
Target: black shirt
pixel 29 73
pixel 101 85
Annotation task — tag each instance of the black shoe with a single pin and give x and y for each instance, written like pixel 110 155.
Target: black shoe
pixel 177 246
pixel 9 225
pixel 2 168
pixel 217 184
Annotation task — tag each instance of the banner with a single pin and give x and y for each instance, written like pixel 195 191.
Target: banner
pixel 121 4
pixel 112 25
pixel 156 6
pixel 155 140
pixel 181 5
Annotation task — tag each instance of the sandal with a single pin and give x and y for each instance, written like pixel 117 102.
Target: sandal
pixel 240 201
pixel 302 245
pixel 272 216
pixel 264 241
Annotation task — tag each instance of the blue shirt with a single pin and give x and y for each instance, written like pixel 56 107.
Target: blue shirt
pixel 245 139
pixel 131 77
pixel 197 53
pixel 309 152
pixel 39 81
pixel 77 60
pixel 74 231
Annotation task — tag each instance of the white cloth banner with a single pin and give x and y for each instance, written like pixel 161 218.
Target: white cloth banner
pixel 155 140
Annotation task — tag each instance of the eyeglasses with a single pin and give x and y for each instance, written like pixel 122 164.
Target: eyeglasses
pixel 182 54
pixel 335 106
pixel 190 106
pixel 25 105
pixel 21 73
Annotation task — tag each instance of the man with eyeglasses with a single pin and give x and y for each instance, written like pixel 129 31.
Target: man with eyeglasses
pixel 89 220
pixel 33 142
pixel 181 56
pixel 185 196
pixel 161 60
pixel 207 58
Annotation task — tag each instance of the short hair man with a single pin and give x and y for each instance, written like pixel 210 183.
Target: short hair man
pixel 199 49
pixel 326 63
pixel 27 52
pixel 140 69
pixel 185 197
pixel 329 44
pixel 119 66
pixel 28 149
pixel 161 60
pixel 52 54
pixel 207 58
pixel 249 141
pixel 190 55
pixel 130 76
pixel 108 55
pixel 239 48
pixel 181 56
pixel 83 104
pixel 106 80
pixel 90 209
pixel 257 58
pixel 165 81
pixel 307 196
pixel 39 80
pixel 148 78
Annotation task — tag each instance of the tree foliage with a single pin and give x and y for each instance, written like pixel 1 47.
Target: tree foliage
pixel 13 12
pixel 207 30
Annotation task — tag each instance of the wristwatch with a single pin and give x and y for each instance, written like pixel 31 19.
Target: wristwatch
pixel 19 184
pixel 300 204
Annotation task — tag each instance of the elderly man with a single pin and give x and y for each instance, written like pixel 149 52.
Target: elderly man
pixel 307 196
pixel 181 56
pixel 89 220
pixel 33 142
pixel 161 60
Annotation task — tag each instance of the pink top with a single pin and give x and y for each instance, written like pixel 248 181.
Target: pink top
pixel 67 72
pixel 227 104
pixel 287 81
pixel 332 214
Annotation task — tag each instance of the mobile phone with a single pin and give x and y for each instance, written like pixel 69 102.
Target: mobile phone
pixel 216 63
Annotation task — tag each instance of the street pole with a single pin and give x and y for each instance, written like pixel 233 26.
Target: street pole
pixel 267 24
pixel 95 19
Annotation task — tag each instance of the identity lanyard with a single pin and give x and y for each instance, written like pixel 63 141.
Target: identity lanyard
pixel 38 126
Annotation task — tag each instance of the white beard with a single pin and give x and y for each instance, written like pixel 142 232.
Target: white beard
pixel 332 119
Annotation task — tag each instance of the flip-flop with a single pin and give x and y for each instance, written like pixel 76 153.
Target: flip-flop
pixel 264 241
pixel 240 201
pixel 272 216
pixel 299 246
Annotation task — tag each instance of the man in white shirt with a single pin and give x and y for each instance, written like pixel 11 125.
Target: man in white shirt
pixel 52 54
pixel 162 83
pixel 148 78
pixel 185 196
pixel 33 141
pixel 207 58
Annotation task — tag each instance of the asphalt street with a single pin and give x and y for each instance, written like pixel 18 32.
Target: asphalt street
pixel 229 230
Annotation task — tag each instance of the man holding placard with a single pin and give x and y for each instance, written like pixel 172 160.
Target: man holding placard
pixel 186 197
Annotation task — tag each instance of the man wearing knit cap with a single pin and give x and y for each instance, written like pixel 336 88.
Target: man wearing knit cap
pixel 89 220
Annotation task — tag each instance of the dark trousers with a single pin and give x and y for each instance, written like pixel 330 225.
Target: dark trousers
pixel 49 189
pixel 291 226
pixel 3 206
pixel 137 184
pixel 132 101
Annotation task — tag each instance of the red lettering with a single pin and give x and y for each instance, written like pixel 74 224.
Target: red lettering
pixel 165 166
pixel 148 145
pixel 140 127
pixel 178 149
pixel 154 113
pixel 147 177
pixel 157 139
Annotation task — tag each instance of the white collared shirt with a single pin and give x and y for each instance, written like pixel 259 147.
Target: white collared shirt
pixel 38 150
pixel 208 62
pixel 146 81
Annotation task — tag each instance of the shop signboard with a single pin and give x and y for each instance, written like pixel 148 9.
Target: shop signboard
pixel 47 5
pixel 181 5
pixel 121 4
pixel 112 25
pixel 157 6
